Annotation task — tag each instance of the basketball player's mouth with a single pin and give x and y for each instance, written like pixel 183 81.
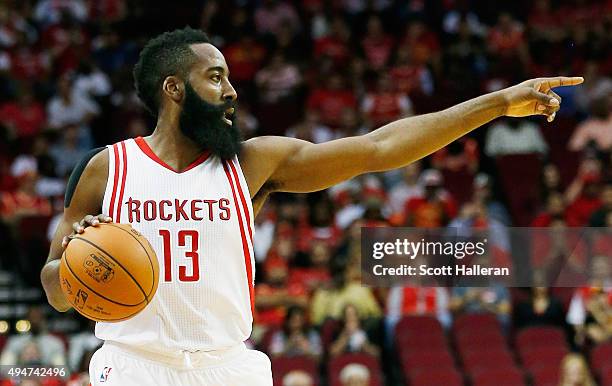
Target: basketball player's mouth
pixel 228 115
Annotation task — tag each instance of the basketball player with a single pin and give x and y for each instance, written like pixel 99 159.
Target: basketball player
pixel 193 188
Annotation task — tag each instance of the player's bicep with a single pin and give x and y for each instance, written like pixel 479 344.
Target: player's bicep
pixel 84 194
pixel 311 167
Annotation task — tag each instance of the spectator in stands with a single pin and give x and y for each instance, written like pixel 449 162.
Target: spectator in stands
pixel 596 131
pixel 67 152
pixel 271 14
pixel 583 193
pixel 276 294
pixel 575 371
pixel 554 210
pixel 37 346
pixel 377 45
pixel 70 108
pixel 331 101
pixel 409 187
pixel 494 299
pixel 598 218
pixel 483 195
pixel 24 201
pixel 296 338
pixel 297 378
pixel 513 136
pixel 355 374
pixel 336 44
pixel 346 289
pixel 409 77
pixel 352 337
pixel 80 344
pixel 435 208
pixel 540 309
pixel 311 129
pixel 591 306
pixel 24 117
pixel 386 104
pixel 550 181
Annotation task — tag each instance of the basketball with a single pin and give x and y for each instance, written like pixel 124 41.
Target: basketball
pixel 109 272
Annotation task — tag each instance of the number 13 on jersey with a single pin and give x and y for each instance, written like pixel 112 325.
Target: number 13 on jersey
pixel 189 272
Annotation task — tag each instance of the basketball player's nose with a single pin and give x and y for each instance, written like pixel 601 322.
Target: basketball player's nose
pixel 229 94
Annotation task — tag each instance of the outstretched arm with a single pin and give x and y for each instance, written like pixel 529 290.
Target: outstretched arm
pixel 291 165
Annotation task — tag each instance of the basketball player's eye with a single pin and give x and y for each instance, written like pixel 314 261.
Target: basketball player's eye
pixel 216 78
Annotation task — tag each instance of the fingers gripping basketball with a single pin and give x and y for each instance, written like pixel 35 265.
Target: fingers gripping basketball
pixel 109 272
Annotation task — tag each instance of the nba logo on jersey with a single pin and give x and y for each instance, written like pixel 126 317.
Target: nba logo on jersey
pixel 105 374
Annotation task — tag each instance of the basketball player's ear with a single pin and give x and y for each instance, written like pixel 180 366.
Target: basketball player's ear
pixel 174 88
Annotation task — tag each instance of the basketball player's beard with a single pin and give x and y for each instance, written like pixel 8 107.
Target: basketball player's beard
pixel 203 123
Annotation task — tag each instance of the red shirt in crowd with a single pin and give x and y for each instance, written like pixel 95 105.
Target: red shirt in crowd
pixel 377 50
pixel 334 48
pixel 244 58
pixel 330 104
pixel 422 213
pixel 27 120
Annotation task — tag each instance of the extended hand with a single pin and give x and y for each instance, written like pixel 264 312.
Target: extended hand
pixel 535 96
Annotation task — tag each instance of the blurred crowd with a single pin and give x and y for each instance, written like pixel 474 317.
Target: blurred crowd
pixel 320 70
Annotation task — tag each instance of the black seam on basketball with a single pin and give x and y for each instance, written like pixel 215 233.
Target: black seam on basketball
pixel 145 249
pixel 92 290
pixel 118 263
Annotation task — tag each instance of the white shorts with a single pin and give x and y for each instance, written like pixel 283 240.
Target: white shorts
pixel 117 365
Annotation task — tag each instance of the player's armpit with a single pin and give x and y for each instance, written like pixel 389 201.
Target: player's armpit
pixel 86 199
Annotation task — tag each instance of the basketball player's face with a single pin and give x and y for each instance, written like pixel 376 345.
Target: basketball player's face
pixel 208 111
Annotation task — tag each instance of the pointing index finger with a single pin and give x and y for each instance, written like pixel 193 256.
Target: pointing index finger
pixel 564 81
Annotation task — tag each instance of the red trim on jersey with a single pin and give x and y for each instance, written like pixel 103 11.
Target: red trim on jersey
pixel 111 207
pixel 245 247
pixel 119 203
pixel 144 146
pixel 244 204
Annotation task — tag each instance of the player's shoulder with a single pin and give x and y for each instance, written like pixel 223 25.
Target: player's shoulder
pixel 92 168
pixel 269 147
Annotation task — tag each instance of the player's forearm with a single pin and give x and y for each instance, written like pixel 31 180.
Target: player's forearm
pixel 50 281
pixel 406 140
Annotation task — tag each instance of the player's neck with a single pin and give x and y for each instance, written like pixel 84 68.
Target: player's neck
pixel 172 147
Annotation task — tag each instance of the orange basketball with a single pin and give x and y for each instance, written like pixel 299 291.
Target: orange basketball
pixel 109 272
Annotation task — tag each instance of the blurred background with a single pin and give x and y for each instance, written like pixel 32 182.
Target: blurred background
pixel 320 70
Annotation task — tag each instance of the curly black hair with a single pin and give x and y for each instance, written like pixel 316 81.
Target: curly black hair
pixel 165 55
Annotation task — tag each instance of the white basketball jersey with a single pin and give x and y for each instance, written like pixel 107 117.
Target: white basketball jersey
pixel 200 224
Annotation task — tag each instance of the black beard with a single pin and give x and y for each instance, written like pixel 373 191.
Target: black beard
pixel 203 123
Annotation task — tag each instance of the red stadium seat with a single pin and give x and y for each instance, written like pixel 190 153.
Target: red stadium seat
pixel 499 376
pixel 606 376
pixel 545 376
pixel 283 365
pixel 600 356
pixel 540 337
pixel 438 377
pixel 478 360
pixel 337 364
pixel 476 322
pixel 426 360
pixel 418 325
pixel 542 356
pixel 411 342
pixel 472 340
pixel 329 329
